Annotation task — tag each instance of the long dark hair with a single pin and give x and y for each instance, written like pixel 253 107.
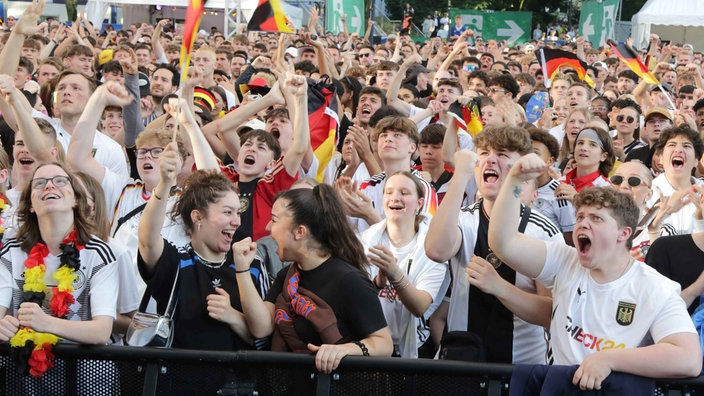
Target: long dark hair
pixel 29 233
pixel 321 211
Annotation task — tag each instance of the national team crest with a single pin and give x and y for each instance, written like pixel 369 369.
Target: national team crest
pixel 625 312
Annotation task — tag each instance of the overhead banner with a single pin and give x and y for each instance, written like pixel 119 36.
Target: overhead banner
pixel 596 22
pixel 512 26
pixel 353 10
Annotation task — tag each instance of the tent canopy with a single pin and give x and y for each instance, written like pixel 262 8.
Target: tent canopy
pixel 681 21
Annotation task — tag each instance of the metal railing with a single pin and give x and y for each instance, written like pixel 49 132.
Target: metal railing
pixel 113 370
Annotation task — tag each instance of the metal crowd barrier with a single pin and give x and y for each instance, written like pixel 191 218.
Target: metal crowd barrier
pixel 113 370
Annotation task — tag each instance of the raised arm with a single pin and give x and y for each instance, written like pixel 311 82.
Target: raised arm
pixel 300 153
pixel 79 150
pixel 258 314
pixel 131 112
pixel 25 27
pixel 222 133
pixel 444 238
pixel 395 85
pixel 202 153
pixel 156 38
pixel 21 111
pixel 151 244
pixel 522 253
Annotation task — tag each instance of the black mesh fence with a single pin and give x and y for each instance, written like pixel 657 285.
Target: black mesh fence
pixel 97 371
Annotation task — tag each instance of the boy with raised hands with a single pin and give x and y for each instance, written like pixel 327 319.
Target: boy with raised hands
pixel 609 311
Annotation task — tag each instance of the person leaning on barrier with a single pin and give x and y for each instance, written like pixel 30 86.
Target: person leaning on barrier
pixel 324 302
pixel 610 312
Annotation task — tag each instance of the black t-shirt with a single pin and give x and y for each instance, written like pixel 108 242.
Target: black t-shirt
pixel 193 328
pixel 643 154
pixel 349 293
pixel 488 317
pixel 678 258
pixel 246 194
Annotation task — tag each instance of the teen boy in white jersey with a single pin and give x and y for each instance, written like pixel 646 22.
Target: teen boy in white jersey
pixel 609 312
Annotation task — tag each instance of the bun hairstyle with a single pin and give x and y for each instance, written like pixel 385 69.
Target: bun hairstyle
pixel 320 210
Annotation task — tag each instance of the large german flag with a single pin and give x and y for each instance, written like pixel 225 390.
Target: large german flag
pixel 323 122
pixel 194 13
pixel 630 58
pixel 552 60
pixel 269 17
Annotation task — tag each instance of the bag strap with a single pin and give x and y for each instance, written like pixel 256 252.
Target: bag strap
pixel 174 291
pixel 521 228
pixel 122 220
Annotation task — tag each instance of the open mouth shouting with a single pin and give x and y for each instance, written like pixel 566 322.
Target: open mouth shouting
pixel 678 162
pixel 275 132
pixel 249 160
pixel 584 244
pixel 490 176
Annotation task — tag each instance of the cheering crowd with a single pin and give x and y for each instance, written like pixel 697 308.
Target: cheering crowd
pixel 460 202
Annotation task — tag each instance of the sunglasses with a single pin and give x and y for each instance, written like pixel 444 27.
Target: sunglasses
pixel 365 55
pixel 629 119
pixel 497 90
pixel 633 181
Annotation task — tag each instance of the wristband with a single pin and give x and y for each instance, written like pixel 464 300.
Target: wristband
pixel 154 194
pixel 360 344
pixel 241 271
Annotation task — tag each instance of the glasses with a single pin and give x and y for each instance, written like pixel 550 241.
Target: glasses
pixel 155 152
pixel 497 90
pixel 450 79
pixel 629 119
pixel 633 181
pixel 600 108
pixel 365 54
pixel 39 183
pixel 654 121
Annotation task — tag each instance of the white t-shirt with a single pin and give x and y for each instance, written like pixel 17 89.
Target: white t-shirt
pixel 95 287
pixel 559 211
pixel 106 151
pixel 637 309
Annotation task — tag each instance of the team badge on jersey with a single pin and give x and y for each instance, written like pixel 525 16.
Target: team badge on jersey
pixel 625 312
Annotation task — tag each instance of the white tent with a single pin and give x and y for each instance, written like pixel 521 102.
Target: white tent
pixel 681 21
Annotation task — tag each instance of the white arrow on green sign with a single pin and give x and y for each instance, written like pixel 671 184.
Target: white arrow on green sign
pixel 353 9
pixel 596 22
pixel 512 26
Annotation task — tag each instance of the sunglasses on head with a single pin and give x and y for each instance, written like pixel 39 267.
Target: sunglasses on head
pixel 628 119
pixel 633 181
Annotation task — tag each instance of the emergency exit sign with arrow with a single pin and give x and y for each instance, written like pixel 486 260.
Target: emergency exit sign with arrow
pixel 512 26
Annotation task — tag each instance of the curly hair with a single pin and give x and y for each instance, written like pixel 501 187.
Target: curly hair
pixel 622 206
pixel 200 190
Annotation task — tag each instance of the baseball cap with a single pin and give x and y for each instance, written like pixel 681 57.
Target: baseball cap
pixel 658 110
pixel 143 82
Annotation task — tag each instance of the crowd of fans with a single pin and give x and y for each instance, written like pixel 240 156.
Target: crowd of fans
pixel 561 222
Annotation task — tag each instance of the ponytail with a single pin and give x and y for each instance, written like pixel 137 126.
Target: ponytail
pixel 320 209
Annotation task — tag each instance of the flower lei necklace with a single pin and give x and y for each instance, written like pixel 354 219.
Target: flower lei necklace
pixel 31 350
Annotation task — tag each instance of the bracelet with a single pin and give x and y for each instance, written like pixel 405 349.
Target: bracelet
pixel 401 288
pixel 397 281
pixel 241 271
pixel 154 194
pixel 360 344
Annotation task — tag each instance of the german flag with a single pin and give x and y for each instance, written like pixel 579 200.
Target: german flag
pixel 467 117
pixel 194 13
pixel 323 122
pixel 630 58
pixel 269 17
pixel 552 60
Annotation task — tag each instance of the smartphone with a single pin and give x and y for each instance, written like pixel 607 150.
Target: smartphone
pixel 665 42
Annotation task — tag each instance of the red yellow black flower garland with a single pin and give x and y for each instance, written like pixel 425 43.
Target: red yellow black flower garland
pixel 31 350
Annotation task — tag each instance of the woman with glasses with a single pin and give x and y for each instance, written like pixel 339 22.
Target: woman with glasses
pixel 594 159
pixel 627 131
pixel 57 279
